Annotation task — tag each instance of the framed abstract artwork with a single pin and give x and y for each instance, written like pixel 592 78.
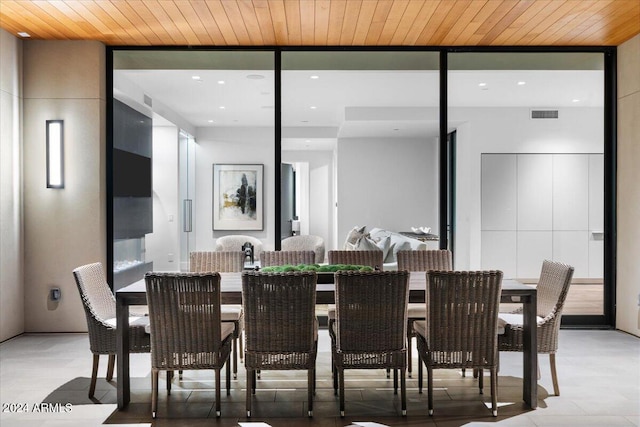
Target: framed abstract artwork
pixel 237 197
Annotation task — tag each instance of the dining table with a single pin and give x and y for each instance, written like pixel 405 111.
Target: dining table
pixel 231 286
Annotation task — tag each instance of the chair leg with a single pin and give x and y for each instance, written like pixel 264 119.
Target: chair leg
pixel 253 384
pixel 554 374
pixel 494 391
pixel 395 381
pixel 341 383
pixel 218 391
pixel 234 345
pixel 94 375
pixel 228 377
pixel 250 380
pixel 154 392
pixel 480 374
pixel 409 334
pixel 430 389
pixel 169 379
pixel 311 377
pixel 111 364
pixel 403 392
pixel 335 380
pixel 419 374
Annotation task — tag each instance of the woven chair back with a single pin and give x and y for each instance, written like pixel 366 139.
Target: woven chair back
pixel 371 311
pixel 553 287
pixel 269 258
pixel 371 258
pixel 184 312
pixel 419 260
pixel 97 298
pixel 305 243
pixel 279 315
pixel 217 261
pixel 462 317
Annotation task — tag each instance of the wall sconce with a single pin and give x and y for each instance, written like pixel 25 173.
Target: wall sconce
pixel 55 154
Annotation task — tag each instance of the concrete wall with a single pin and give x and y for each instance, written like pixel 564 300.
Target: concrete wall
pixel 11 240
pixel 63 228
pixel 628 266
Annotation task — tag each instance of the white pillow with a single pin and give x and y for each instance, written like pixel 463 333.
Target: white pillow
pixel 353 237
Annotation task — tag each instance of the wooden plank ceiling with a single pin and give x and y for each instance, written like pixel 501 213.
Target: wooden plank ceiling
pixel 327 22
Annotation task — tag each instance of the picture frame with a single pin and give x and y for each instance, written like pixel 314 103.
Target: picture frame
pixel 238 196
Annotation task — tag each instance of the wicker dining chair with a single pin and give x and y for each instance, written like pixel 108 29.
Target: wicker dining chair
pixel 369 258
pixel 460 330
pixel 224 262
pixel 187 331
pixel 552 289
pixel 421 260
pixel 234 242
pixel 269 258
pixel 305 243
pixel 281 329
pixel 369 330
pixel 100 310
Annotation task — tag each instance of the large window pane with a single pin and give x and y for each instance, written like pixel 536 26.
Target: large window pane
pixel 177 113
pixel 361 131
pixel 530 140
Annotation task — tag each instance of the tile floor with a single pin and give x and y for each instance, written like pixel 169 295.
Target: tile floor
pixel 599 374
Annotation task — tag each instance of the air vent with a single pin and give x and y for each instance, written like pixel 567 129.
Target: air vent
pixel 148 101
pixel 544 114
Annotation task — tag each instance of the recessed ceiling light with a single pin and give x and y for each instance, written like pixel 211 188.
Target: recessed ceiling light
pixel 314 77
pixel 222 107
pixel 195 77
pixel 482 84
pixel 307 140
pixel 210 121
pixel 255 77
pixel 522 83
pixel 313 107
pixel 24 34
pixel 220 82
pixel 575 100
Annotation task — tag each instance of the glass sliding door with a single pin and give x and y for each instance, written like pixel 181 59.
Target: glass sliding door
pixel 361 130
pixel 178 113
pixel 530 166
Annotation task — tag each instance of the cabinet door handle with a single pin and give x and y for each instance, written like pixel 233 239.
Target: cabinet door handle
pixel 186 215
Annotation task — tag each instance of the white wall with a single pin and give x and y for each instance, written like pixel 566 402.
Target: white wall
pixel 63 228
pixel 385 183
pixel 11 232
pixel 628 210
pixel 320 191
pixel 232 146
pixel 509 130
pixel 163 245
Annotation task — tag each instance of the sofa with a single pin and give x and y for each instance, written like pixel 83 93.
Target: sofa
pixel 389 242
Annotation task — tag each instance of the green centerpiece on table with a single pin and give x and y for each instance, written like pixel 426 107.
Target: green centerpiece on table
pixel 330 268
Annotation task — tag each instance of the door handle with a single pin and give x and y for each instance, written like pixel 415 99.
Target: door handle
pixel 186 216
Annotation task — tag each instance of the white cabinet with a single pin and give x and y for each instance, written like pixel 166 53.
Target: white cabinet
pixel 498 248
pixel 570 191
pixel 542 206
pixel 499 192
pixel 535 185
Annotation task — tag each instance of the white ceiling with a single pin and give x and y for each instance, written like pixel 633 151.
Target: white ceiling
pixel 380 103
